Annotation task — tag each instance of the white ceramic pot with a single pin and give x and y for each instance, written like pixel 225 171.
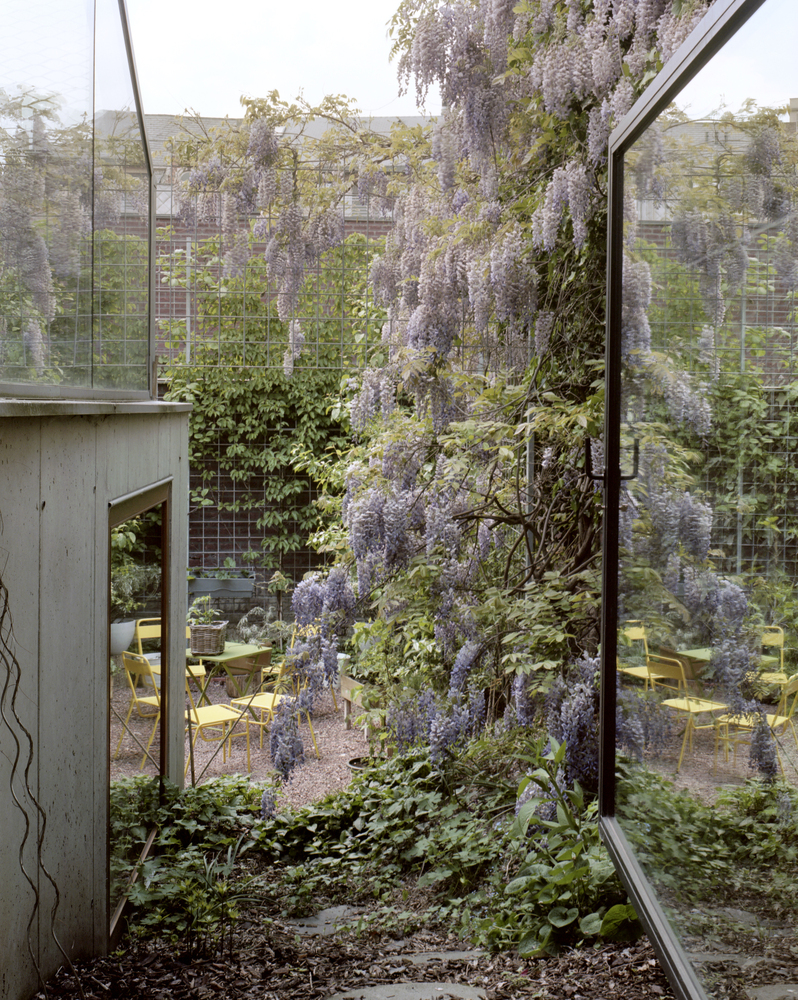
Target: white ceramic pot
pixel 121 636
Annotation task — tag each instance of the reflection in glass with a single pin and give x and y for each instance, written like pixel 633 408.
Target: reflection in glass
pixel 74 201
pixel 136 681
pixel 709 532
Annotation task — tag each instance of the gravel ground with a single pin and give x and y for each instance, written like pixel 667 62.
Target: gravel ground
pixel 337 746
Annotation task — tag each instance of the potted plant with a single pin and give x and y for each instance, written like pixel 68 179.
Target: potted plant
pixel 130 581
pixel 207 634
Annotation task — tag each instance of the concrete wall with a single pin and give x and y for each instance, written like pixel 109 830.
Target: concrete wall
pixel 61 465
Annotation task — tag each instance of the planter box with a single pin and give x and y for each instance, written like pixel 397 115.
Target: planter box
pixel 351 691
pixel 234 588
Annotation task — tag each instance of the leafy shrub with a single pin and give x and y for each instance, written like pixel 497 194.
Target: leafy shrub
pixel 185 890
pixel 451 831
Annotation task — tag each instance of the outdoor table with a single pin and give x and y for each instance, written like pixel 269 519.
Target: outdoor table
pixel 702 654
pixel 693 660
pixel 232 651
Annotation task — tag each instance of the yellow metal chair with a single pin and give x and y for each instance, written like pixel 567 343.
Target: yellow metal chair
pixel 666 672
pixel 150 628
pixel 737 729
pixel 284 673
pixel 688 706
pixel 138 670
pixel 218 720
pixel 261 707
pixel 635 631
pixel 773 638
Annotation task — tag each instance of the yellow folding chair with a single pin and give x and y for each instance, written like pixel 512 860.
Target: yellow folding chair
pixel 635 631
pixel 736 729
pixel 285 671
pixel 150 628
pixel 688 706
pixel 217 720
pixel 260 709
pixel 773 638
pixel 138 670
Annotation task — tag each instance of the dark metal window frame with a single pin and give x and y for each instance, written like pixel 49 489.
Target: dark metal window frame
pixel 719 25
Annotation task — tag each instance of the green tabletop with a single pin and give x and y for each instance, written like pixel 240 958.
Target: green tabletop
pixel 232 651
pixel 703 653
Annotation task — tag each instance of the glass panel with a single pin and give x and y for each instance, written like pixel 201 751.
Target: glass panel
pixel 121 216
pixel 708 620
pixel 73 213
pixel 136 725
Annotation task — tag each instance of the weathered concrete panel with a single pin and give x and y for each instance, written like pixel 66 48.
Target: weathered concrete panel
pixel 58 476
pixel 19 514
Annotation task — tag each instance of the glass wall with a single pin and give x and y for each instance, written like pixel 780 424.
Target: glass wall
pixel 706 630
pixel 74 203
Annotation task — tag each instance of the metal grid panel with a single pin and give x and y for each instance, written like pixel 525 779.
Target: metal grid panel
pixel 211 274
pixel 208 314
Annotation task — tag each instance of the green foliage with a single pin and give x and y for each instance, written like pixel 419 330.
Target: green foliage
pixel 566 884
pixel 193 899
pixel 187 890
pixel 259 438
pixel 135 565
pixel 450 831
pixel 201 612
pixel 243 434
pixel 742 852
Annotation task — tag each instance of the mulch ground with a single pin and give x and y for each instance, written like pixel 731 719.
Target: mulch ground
pixel 268 962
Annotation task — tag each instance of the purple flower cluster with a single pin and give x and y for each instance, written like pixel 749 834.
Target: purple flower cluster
pixel 464 663
pixel 572 718
pixel 451 729
pixel 375 399
pixel 410 719
pixel 762 754
pixel 695 526
pixel 263 147
pixel 296 341
pixel 285 744
pixel 268 804
pixel 207 176
pixel 523 703
pixel 307 600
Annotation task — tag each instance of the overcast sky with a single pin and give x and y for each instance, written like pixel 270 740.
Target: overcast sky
pixel 759 62
pixel 204 55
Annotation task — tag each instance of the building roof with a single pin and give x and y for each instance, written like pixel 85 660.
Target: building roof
pixel 161 128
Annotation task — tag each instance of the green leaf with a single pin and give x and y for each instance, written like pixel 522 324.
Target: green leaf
pixel 560 917
pixel 621 923
pixel 590 925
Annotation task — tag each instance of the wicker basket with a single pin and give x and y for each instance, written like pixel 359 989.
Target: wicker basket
pixel 208 640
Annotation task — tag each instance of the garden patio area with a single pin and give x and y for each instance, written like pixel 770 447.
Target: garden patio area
pixel 481 425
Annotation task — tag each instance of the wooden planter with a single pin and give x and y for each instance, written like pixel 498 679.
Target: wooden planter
pixel 351 694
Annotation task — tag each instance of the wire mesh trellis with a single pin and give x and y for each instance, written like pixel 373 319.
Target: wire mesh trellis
pixel 217 303
pixel 723 295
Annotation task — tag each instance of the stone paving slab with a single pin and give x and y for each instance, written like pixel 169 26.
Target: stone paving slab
pixel 413 991
pixel 422 957
pixel 781 991
pixel 323 923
